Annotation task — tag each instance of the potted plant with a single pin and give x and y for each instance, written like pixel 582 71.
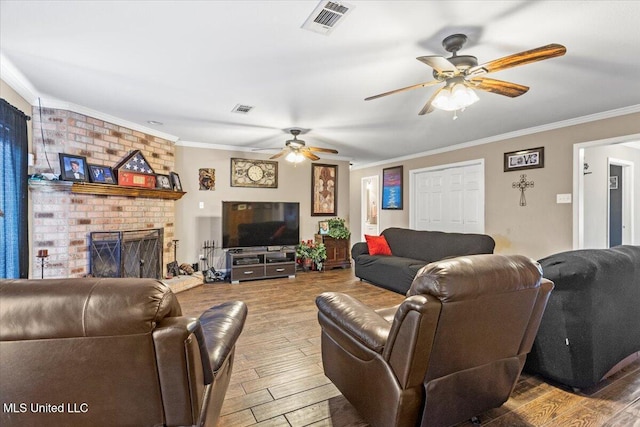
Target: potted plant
pixel 338 229
pixel 318 255
pixel 309 253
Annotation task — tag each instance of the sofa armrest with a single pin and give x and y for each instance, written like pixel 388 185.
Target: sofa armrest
pixel 358 249
pixel 354 319
pixel 220 328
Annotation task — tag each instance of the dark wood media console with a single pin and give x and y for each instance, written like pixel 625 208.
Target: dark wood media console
pixel 253 265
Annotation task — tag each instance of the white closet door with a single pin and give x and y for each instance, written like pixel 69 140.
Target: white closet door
pixel 450 198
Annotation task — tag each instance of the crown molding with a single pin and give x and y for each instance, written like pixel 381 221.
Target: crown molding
pixel 509 135
pixel 194 144
pixel 18 82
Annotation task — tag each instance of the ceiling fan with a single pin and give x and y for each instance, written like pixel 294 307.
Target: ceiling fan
pixel 296 150
pixel 461 74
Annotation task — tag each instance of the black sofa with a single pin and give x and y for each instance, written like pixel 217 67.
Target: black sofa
pixel 592 321
pixel 410 251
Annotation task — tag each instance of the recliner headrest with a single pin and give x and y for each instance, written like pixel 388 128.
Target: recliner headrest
pixel 469 276
pixel 82 307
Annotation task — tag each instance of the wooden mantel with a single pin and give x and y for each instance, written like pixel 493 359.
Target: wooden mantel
pixel 105 189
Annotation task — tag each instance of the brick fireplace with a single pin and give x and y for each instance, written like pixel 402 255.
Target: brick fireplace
pixel 62 221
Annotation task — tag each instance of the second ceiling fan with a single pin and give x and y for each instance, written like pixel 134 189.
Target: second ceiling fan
pixel 461 74
pixel 296 149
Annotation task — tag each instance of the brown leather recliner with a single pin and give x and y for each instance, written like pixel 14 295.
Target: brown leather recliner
pixel 454 348
pixel 111 352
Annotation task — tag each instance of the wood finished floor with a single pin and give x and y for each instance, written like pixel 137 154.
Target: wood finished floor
pixel 278 379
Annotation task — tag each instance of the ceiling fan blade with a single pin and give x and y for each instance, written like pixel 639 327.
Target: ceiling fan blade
pixel 498 86
pixel 428 107
pixel 322 150
pixel 431 83
pixel 517 59
pixel 441 64
pixel 280 154
pixel 309 155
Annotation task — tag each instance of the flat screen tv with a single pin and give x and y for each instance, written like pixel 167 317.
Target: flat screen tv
pixel 258 224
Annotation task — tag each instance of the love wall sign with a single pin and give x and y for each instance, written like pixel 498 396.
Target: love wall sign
pixel 524 159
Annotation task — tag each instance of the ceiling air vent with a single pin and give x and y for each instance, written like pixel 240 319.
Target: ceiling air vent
pixel 242 109
pixel 326 16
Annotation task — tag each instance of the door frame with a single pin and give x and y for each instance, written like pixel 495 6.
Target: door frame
pixel 627 200
pixel 413 174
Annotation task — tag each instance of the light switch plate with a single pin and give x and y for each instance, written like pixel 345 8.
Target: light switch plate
pixel 563 198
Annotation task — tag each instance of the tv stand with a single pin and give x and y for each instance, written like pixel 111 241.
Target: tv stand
pixel 261 264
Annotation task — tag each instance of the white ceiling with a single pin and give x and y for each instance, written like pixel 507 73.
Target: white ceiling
pixel 188 63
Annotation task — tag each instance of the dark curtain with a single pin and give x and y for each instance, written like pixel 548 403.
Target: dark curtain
pixel 14 239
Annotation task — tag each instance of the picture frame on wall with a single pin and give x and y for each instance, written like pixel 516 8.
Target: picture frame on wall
pixel 531 158
pixel 101 174
pixel 392 188
pixel 324 188
pixel 73 168
pixel 254 173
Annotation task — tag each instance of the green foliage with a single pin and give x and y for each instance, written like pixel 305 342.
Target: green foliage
pixel 317 252
pixel 338 229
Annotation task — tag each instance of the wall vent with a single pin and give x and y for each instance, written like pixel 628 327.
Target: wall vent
pixel 242 109
pixel 326 16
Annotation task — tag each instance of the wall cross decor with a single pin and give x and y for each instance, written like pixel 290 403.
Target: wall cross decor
pixel 522 185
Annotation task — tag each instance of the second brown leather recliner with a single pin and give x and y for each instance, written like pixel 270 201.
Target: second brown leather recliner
pixel 453 349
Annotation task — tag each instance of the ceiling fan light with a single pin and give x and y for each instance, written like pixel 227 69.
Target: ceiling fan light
pixel 463 96
pixel 294 157
pixel 443 101
pixel 455 97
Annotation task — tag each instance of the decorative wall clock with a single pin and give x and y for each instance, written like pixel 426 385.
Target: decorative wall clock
pixel 254 173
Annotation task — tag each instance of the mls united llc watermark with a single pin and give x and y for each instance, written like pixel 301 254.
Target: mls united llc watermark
pixel 45 408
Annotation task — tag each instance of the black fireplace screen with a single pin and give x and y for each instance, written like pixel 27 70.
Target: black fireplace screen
pixel 133 253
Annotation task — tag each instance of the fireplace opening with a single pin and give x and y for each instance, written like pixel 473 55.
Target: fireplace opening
pixel 131 253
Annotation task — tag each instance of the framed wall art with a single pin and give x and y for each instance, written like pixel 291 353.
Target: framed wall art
pixel 324 186
pixel 392 188
pixel 254 173
pixel 73 168
pixel 207 179
pixel 524 159
pixel 101 174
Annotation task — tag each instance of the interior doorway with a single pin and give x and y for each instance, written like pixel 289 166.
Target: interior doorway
pixel 369 212
pixel 592 182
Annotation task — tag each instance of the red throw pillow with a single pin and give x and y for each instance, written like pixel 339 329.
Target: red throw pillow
pixel 377 245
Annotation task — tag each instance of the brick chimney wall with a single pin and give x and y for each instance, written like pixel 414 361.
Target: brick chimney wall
pixel 63 220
